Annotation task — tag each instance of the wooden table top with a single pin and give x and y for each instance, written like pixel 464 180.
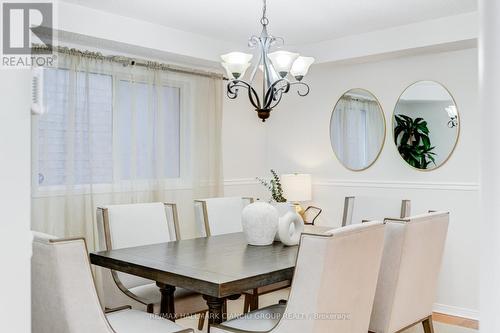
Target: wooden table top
pixel 217 266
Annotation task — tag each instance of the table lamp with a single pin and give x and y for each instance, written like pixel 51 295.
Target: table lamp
pixel 297 188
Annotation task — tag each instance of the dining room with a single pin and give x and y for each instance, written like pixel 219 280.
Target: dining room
pixel 250 166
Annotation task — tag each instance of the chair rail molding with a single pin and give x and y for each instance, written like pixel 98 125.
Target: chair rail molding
pixel 448 186
pixel 330 182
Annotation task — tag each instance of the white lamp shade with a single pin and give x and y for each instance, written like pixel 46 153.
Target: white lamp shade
pixel 301 66
pixel 236 63
pixel 283 61
pixel 296 187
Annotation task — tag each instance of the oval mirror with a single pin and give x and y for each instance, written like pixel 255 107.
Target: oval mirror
pixel 426 125
pixel 357 129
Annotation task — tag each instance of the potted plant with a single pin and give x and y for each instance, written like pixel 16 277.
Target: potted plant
pixel 274 186
pixel 411 137
pixel 278 200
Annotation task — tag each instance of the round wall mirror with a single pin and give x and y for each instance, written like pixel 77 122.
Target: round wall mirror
pixel 426 125
pixel 357 129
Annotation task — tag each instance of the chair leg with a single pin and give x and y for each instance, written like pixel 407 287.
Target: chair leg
pixel 246 304
pixel 224 310
pixel 428 326
pixel 150 308
pixel 201 321
pixel 254 303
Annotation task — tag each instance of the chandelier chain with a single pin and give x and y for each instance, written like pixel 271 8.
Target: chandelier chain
pixel 264 20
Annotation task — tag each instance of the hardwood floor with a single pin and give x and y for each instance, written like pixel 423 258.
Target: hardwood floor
pixel 456 321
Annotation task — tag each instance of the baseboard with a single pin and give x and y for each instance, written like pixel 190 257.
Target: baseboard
pixel 456 311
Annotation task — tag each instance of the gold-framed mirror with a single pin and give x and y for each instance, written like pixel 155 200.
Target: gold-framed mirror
pixel 357 129
pixel 426 125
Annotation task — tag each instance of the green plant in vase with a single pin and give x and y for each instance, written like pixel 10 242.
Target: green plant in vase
pixel 274 186
pixel 411 137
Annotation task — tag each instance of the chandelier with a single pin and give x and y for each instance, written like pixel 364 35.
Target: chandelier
pixel 276 67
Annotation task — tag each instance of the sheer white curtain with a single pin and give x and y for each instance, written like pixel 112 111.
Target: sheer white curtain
pixel 114 134
pixel 349 130
pixel 357 131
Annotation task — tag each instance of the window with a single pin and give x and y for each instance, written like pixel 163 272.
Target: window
pixel 98 129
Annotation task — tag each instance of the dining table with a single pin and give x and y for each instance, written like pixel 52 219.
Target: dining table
pixel 218 267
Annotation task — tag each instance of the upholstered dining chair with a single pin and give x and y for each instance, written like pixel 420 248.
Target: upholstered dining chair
pixel 218 216
pixel 64 298
pixel 364 208
pixel 139 224
pixel 409 272
pixel 333 286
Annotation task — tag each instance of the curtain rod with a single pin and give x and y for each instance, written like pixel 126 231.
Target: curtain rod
pixel 359 98
pixel 127 61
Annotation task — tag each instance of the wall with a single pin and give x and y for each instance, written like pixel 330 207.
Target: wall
pixel 244 140
pixel 298 140
pixel 15 247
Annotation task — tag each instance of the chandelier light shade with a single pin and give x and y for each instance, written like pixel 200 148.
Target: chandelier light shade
pixel 301 67
pixel 236 63
pixel 275 69
pixel 283 61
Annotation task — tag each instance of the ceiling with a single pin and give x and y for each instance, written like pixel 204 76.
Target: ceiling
pixel 298 21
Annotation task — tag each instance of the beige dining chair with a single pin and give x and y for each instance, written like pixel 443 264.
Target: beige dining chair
pixel 407 282
pixel 218 216
pixel 130 225
pixel 64 298
pixel 333 286
pixel 365 208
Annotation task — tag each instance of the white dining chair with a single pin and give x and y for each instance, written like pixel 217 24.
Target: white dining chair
pixel 333 286
pixel 366 208
pixel 407 282
pixel 64 298
pixel 130 225
pixel 218 216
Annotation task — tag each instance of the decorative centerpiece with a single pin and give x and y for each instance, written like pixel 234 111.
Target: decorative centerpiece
pixel 290 225
pixel 260 223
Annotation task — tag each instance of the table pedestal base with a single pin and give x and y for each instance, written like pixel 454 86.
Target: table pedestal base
pixel 167 308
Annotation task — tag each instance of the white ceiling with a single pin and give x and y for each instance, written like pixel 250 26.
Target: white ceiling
pixel 298 21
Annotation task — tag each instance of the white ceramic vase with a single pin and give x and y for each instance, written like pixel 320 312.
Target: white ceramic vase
pixel 283 208
pixel 260 223
pixel 290 227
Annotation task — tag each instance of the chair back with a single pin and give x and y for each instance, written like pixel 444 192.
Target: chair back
pixel 138 224
pixel 409 273
pixel 218 216
pixel 365 208
pixel 334 281
pixel 64 298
